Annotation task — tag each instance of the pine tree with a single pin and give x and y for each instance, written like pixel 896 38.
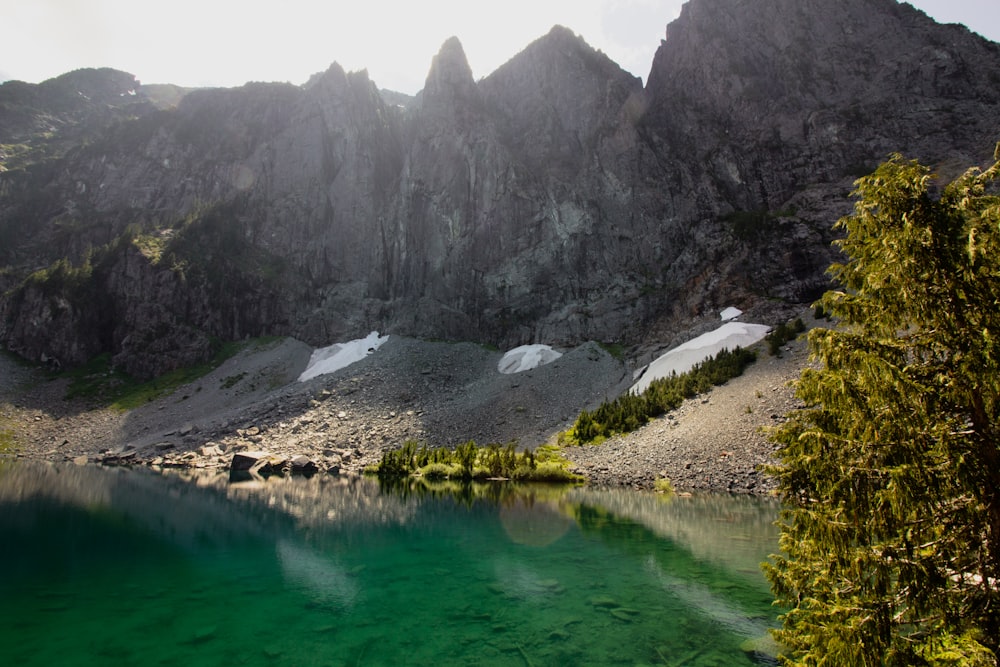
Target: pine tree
pixel 891 536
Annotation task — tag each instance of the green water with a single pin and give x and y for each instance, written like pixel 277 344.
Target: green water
pixel 117 567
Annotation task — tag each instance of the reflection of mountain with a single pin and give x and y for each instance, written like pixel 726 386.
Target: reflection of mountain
pixel 328 583
pixel 704 551
pixel 188 516
pixel 702 599
pixel 735 532
pixel 730 531
pixel 324 501
pixel 197 512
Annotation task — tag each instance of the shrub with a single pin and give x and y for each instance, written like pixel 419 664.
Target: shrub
pixel 553 472
pixel 664 486
pixel 438 471
pixel 782 334
pixel 468 461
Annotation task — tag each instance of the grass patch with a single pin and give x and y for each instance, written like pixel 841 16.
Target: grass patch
pixel 152 245
pixel 232 380
pixel 100 382
pixel 8 442
pixel 616 350
pixel 553 472
pixel 15 156
pixel 752 225
pixel 19 360
pixel 8 436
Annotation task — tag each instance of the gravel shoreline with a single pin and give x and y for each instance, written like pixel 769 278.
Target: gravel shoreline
pixel 713 442
pixel 439 393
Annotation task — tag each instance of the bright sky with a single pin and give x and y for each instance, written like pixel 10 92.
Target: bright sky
pixel 229 42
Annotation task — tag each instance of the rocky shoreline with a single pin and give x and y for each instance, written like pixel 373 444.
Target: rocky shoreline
pixel 433 392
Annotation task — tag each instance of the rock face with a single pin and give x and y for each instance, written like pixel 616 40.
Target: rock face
pixel 556 200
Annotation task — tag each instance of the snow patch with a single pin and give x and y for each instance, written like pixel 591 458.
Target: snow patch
pixel 730 314
pixel 340 355
pixel 526 357
pixel 683 357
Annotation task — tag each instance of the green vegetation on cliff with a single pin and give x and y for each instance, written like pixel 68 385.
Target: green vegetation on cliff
pixel 891 539
pixel 101 382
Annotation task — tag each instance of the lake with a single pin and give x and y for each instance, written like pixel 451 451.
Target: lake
pixel 111 566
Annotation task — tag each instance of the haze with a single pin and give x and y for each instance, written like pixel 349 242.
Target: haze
pixel 216 43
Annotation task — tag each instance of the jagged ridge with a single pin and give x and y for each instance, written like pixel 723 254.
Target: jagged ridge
pixel 555 200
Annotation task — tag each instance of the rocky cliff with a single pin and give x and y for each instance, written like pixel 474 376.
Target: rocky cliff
pixel 556 200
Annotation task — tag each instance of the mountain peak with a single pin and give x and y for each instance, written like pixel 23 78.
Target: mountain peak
pixel 333 75
pixel 554 199
pixel 562 32
pixel 560 52
pixel 450 76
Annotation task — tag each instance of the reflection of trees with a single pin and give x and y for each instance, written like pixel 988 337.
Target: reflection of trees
pixel 736 532
pixel 595 520
pixel 467 492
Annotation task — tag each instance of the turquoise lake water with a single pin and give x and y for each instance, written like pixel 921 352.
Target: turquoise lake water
pixel 106 566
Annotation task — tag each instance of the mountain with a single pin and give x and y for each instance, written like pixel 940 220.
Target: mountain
pixel 557 200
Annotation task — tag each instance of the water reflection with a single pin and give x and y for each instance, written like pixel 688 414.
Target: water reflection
pixel 193 569
pixel 702 600
pixel 532 521
pixel 326 582
pixel 186 505
pixel 730 531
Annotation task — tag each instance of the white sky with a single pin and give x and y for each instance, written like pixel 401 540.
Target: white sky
pixel 230 42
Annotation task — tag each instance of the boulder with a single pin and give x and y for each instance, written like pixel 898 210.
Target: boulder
pixel 210 450
pixel 303 465
pixel 246 461
pixel 119 458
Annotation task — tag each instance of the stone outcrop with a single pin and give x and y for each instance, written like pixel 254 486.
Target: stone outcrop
pixel 555 200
